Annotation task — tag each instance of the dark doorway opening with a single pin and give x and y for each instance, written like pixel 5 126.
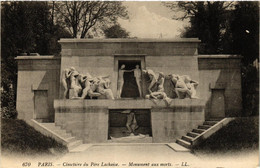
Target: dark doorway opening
pixel 118 120
pixel 130 88
pixel 217 104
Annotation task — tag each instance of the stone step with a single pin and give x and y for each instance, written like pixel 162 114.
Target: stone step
pixel 74 144
pixel 184 143
pixel 193 134
pixel 198 130
pixel 141 140
pixel 187 138
pixel 70 139
pixel 51 126
pixel 178 148
pixel 65 135
pixel 210 123
pixel 59 131
pixel 81 148
pixel 204 127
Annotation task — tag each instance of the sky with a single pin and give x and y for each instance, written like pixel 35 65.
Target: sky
pixel 151 20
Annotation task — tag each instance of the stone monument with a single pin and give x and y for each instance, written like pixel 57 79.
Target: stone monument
pixel 168 85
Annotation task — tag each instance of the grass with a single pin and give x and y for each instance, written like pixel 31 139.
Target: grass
pixel 19 137
pixel 241 134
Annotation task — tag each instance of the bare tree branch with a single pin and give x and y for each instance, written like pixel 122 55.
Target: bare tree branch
pixel 80 17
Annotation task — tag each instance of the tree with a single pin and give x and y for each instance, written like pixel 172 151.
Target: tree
pixel 207 22
pixel 80 17
pixel 244 28
pixel 228 28
pixel 245 31
pixel 25 27
pixel 116 31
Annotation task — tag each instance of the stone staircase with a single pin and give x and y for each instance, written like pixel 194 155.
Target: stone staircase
pixel 201 133
pixel 61 135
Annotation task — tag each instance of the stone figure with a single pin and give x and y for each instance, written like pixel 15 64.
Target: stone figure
pixel 74 84
pixel 120 82
pixel 96 86
pixel 152 78
pixel 65 76
pixel 159 93
pixel 90 86
pixel 138 78
pixel 191 85
pixel 184 84
pixel 160 82
pixel 131 123
pixel 103 87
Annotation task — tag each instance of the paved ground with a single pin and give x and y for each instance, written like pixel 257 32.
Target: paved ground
pixel 135 155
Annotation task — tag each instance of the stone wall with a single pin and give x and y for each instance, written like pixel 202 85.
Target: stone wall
pixel 87 123
pixel 169 124
pixel 88 119
pixel 100 56
pixel 221 72
pixel 38 80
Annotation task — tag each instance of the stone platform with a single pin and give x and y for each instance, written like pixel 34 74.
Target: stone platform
pixel 89 119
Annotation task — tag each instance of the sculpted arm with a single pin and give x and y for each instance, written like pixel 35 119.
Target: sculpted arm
pixel 67 73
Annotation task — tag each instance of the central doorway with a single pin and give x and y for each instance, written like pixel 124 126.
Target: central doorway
pixel 130 88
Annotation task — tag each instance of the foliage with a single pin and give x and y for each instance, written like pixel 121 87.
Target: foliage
pixel 250 91
pixel 8 109
pixel 18 137
pixel 223 27
pixel 207 22
pixel 116 31
pixel 245 31
pixel 226 28
pixel 25 27
pixel 80 17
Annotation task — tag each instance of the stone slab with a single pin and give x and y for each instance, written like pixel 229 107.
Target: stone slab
pixel 178 148
pixel 81 148
pixel 128 103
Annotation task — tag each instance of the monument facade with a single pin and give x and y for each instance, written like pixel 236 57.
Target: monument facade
pixel 164 84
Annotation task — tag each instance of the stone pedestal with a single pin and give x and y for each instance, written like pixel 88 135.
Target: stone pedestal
pixel 89 119
pixel 87 123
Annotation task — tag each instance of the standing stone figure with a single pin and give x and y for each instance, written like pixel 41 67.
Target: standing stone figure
pixel 138 78
pixel 74 84
pixel 120 82
pixel 152 77
pixel 65 76
pixel 160 82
